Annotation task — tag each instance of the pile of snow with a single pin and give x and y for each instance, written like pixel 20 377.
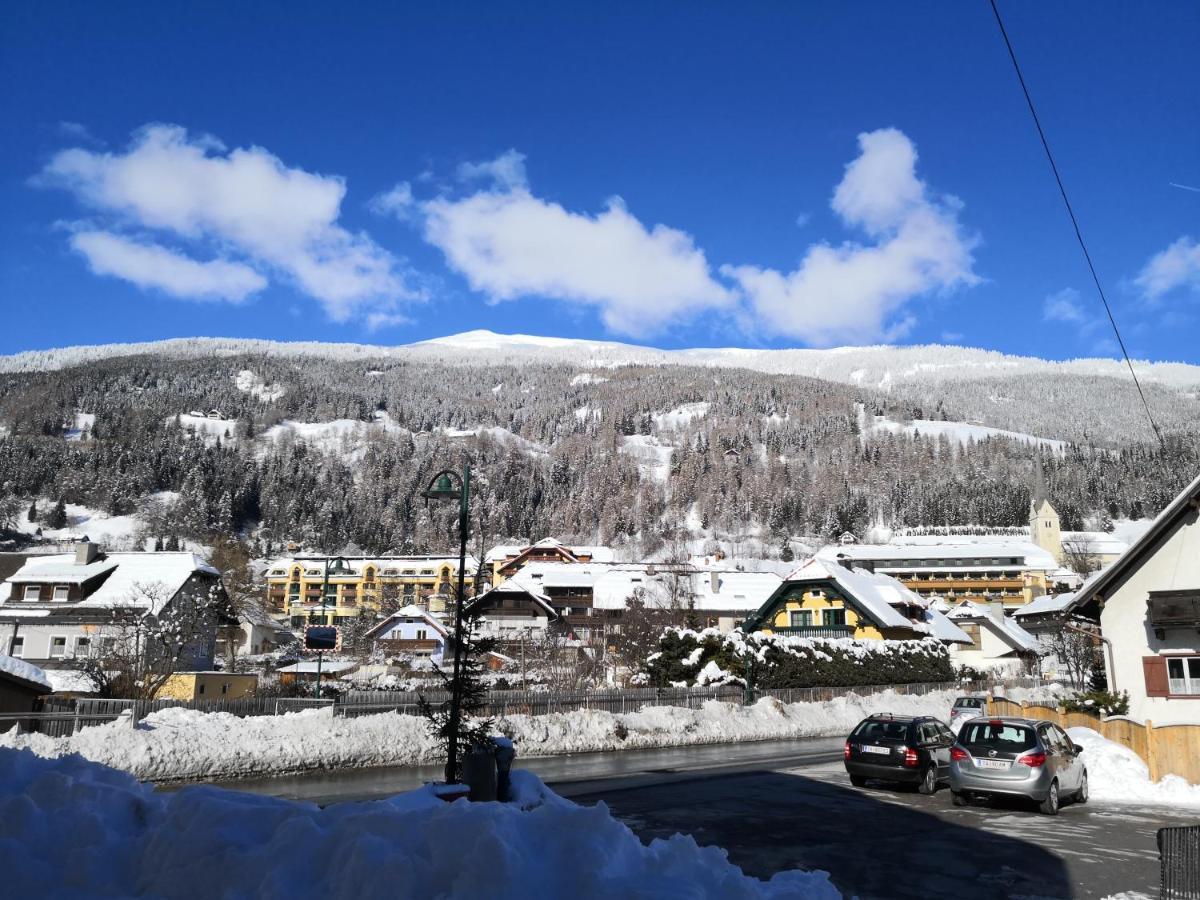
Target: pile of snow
pixel 72 828
pixel 1117 773
pixel 178 744
pixel 251 383
pixel 18 668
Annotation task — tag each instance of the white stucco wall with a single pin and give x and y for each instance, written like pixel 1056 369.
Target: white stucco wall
pixel 1123 621
pixel 991 655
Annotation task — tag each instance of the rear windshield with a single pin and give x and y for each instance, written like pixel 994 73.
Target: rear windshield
pixel 972 702
pixel 874 730
pixel 1003 737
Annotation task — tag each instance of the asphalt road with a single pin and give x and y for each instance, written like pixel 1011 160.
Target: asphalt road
pixel 882 842
pixel 786 804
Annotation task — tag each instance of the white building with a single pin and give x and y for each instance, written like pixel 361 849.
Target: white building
pixel 998 643
pixel 511 611
pixel 1148 607
pixel 413 631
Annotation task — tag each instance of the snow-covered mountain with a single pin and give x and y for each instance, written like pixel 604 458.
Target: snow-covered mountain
pixel 880 367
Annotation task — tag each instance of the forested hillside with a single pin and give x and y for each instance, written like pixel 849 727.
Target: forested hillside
pixel 334 449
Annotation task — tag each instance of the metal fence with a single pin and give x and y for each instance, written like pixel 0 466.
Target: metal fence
pixel 1179 862
pixel 61 716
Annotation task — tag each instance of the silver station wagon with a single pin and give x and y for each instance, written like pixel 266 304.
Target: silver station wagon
pixel 1017 757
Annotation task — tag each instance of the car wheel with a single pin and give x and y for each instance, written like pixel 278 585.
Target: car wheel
pixel 959 798
pixel 928 783
pixel 1049 806
pixel 1081 796
pixel 858 781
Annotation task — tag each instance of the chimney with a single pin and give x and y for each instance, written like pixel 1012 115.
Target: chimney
pixel 997 607
pixel 86 552
pixel 714 582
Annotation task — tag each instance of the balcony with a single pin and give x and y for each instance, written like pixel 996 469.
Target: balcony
pixel 817 631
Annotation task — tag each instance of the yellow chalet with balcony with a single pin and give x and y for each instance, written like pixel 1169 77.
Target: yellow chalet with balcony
pixel 358 584
pixel 830 600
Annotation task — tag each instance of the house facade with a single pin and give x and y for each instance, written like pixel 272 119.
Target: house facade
pixel 62 606
pixel 829 599
pixel 513 610
pixel 1148 606
pixel 411 631
pixel 359 584
pixel 998 644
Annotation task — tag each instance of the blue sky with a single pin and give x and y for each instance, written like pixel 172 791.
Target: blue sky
pixel 671 174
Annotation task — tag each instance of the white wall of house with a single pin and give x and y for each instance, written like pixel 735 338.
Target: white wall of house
pixel 1124 622
pixel 991 655
pixel 414 629
pixel 512 626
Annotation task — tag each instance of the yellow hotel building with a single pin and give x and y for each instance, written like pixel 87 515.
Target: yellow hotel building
pixel 361 583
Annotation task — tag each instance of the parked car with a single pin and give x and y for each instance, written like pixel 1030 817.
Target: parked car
pixel 913 750
pixel 966 708
pixel 1017 757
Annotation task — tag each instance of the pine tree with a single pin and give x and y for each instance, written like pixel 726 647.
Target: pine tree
pixel 58 516
pixel 33 511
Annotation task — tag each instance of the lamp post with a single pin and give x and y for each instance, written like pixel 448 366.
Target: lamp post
pixel 442 487
pixel 339 568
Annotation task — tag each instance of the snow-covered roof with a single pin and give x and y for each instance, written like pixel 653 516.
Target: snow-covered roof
pixel 137 580
pixel 408 612
pixel 26 672
pixel 1007 629
pixel 945 630
pixel 738 591
pixel 70 681
pixel 357 564
pixel 1049 604
pixel 505 551
pixel 1098 542
pixel 1140 548
pixel 955 551
pixel 517 585
pixel 876 594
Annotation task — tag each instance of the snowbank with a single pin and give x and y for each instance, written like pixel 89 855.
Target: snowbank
pixel 73 828
pixel 1117 773
pixel 178 744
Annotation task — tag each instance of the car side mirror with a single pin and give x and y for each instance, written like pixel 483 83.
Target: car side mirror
pixel 1078 749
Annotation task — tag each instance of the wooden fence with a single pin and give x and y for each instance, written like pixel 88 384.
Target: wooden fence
pixel 1165 749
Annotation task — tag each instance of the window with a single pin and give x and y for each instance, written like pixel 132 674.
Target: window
pixel 17 648
pixel 33 593
pixel 1183 674
pixel 801 618
pixel 201 688
pixel 58 647
pixel 422 634
pixel 83 646
pixel 835 617
pixel 224 689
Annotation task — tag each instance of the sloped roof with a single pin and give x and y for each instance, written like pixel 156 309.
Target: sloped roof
pixel 954 550
pixel 876 595
pixel 736 591
pixel 138 580
pixel 945 630
pixel 406 612
pixel 1047 605
pixel 514 585
pixel 1001 625
pixel 25 674
pixel 1144 547
pixel 596 553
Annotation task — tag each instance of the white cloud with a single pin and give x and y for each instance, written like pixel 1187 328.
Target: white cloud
pixel 508 243
pixel 1064 306
pixel 1176 267
pixel 245 202
pixel 397 202
pixel 851 293
pixel 507 170
pixel 152 266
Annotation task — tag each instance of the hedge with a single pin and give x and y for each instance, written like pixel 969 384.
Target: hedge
pixel 779 661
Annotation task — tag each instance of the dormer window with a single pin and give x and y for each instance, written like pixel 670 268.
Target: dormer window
pixel 32 593
pixel 62 593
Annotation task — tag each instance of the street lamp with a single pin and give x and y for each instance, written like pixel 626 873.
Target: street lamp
pixel 340 567
pixel 443 487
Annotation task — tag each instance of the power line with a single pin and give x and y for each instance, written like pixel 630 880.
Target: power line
pixel 1074 222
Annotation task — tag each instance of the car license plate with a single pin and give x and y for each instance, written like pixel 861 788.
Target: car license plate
pixel 992 763
pixel 886 751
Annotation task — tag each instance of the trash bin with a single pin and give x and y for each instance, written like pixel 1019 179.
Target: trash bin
pixel 479 772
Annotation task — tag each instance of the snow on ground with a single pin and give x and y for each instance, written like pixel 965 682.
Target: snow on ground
pixel 1117 773
pixel 959 432
pixel 501 435
pixel 587 378
pixel 185 745
pixel 211 429
pixel 113 532
pixel 653 457
pixel 83 422
pixel 342 437
pixel 681 416
pixel 72 828
pixel 251 383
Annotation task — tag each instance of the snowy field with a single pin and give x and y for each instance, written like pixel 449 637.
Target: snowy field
pixel 185 745
pixel 70 828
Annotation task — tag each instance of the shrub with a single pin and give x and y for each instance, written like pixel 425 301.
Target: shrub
pixel 778 661
pixel 1100 703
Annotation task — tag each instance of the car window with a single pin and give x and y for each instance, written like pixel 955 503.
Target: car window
pixel 929 734
pixel 1049 739
pixel 1002 736
pixel 947 734
pixel 1063 738
pixel 876 730
pixel 969 703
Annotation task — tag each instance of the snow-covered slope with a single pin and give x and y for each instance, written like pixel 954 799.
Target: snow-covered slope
pixel 882 367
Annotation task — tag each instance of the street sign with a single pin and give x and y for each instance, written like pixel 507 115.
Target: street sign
pixel 322 637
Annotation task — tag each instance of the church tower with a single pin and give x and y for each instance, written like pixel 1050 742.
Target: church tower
pixel 1044 528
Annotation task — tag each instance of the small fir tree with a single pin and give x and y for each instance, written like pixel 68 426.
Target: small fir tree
pixel 472 731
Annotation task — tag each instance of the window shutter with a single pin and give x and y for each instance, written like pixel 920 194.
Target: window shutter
pixel 1155 670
